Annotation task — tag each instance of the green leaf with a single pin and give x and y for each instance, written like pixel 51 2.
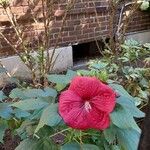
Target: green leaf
pixel 70 74
pixel 45 144
pixel 26 129
pixel 32 93
pixel 5 110
pixel 110 134
pixel 21 114
pixel 121 91
pixel 126 96
pixel 99 66
pixel 58 79
pixel 27 143
pixel 30 104
pixel 103 75
pixel 60 87
pixel 75 146
pixel 36 114
pixel 89 147
pixel 123 119
pixel 3 127
pixel 49 117
pixel 128 139
pixel 115 147
pixel 2 96
pixel 62 79
pixel 46 131
pixel 83 72
pixel 130 106
pixel 17 93
pixel 49 92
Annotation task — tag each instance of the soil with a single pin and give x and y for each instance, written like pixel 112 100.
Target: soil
pixel 10 142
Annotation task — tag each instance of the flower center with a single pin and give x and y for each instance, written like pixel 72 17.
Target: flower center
pixel 87 106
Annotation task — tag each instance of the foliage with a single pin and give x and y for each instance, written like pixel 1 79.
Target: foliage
pixel 33 115
pixel 131 68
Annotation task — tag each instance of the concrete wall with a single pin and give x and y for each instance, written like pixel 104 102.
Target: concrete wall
pixel 16 68
pixel 143 37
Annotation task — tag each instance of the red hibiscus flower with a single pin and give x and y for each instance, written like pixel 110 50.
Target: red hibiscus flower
pixel 87 104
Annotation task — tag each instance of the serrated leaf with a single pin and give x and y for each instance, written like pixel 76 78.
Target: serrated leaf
pixel 123 119
pixel 49 117
pixel 30 104
pixel 2 96
pixel 5 110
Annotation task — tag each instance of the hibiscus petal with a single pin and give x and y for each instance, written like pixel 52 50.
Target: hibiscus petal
pixel 98 119
pixel 77 118
pixel 67 101
pixel 104 102
pixel 85 87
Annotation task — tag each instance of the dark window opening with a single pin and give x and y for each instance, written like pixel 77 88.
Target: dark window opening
pixel 82 53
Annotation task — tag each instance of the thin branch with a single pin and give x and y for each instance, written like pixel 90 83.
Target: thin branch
pixel 69 6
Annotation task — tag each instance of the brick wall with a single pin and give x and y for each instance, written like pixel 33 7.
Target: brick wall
pixel 81 25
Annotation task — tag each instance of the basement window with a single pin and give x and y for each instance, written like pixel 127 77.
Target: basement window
pixel 84 52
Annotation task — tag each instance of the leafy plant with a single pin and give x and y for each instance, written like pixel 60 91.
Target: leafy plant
pixel 33 115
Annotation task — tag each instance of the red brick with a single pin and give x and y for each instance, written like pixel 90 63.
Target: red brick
pixel 80 26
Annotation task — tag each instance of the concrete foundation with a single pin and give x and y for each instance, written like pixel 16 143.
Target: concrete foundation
pixel 142 37
pixel 17 68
